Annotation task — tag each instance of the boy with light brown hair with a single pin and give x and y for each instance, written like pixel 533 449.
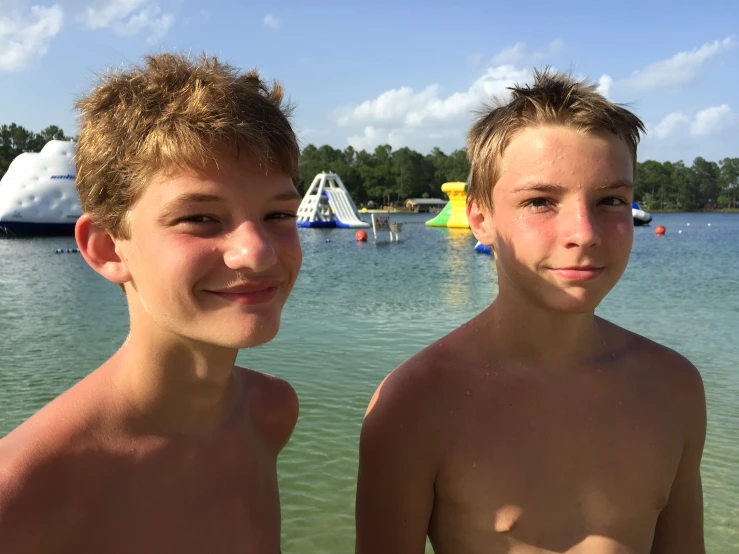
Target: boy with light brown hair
pixel 538 427
pixel 186 171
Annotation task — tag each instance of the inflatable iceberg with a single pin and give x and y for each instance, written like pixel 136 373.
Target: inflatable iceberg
pixel 37 194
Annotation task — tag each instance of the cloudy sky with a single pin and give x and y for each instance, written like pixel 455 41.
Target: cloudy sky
pixel 402 73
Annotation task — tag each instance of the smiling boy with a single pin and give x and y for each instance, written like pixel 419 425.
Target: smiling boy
pixel 538 427
pixel 186 171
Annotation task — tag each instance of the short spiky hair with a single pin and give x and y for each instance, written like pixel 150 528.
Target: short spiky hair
pixel 173 112
pixel 553 99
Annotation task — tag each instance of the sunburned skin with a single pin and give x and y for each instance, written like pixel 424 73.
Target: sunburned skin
pixel 168 446
pixel 94 485
pixel 538 427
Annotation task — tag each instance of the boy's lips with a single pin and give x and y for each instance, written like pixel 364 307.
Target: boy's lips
pixel 258 292
pixel 577 273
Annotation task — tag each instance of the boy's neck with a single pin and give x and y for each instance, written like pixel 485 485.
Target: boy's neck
pixel 543 337
pixel 170 385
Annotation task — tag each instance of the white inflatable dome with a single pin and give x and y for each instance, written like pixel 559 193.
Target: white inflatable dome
pixel 37 194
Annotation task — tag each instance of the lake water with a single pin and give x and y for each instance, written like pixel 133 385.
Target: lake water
pixel 357 311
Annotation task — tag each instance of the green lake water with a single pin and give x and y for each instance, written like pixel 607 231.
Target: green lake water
pixel 360 309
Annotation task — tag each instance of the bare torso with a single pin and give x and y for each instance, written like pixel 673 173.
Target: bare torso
pixel 529 460
pixel 579 465
pixel 75 481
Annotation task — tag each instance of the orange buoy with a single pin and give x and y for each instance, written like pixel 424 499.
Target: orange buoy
pixel 660 230
pixel 361 236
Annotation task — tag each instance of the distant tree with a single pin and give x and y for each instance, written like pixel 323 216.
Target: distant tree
pixel 729 175
pixel 458 166
pixel 707 179
pixel 652 181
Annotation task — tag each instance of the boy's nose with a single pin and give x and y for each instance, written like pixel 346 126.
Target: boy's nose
pixel 581 228
pixel 250 248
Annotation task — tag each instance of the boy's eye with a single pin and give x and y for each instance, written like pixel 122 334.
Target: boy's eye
pixel 538 203
pixel 614 201
pixel 282 216
pixel 197 219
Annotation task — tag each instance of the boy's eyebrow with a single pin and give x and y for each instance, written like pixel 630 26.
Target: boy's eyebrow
pixel 289 195
pixel 192 197
pixel 539 187
pixel 549 187
pixel 195 197
pixel 621 183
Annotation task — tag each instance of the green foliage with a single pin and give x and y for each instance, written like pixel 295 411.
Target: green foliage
pixel 674 186
pixel 385 176
pixel 15 140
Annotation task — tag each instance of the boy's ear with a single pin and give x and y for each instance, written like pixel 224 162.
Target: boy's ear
pixel 98 248
pixel 481 223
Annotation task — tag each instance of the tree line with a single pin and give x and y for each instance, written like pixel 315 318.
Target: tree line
pixel 387 176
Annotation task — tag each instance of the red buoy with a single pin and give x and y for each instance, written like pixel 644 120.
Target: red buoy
pixel 660 230
pixel 361 236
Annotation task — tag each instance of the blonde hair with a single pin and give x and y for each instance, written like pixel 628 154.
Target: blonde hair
pixel 173 112
pixel 552 99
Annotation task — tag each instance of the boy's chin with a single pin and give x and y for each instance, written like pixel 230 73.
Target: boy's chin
pixel 579 304
pixel 243 340
pixel 250 338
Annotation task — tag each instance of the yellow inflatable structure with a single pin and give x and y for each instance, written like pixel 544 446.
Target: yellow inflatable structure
pixel 454 214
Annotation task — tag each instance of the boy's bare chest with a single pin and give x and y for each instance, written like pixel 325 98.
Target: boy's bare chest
pixel 553 466
pixel 177 500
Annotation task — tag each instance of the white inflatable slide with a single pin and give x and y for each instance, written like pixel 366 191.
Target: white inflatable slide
pixel 328 204
pixel 37 193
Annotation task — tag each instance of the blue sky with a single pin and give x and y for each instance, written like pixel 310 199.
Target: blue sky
pixel 402 73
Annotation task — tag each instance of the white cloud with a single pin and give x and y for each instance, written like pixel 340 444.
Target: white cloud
pixel 604 85
pixel 679 126
pixel 23 40
pixel 128 17
pixel 511 55
pixel 684 135
pixel 424 118
pixel 669 125
pixel 406 107
pixel 713 120
pixel 370 138
pixel 104 16
pixel 271 22
pixel 404 117
pixel 517 54
pixel 680 69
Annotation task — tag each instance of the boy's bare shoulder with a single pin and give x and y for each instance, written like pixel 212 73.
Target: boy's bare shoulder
pixel 654 357
pixel 36 450
pixel 273 404
pixel 37 468
pixel 408 416
pixel 664 366
pixel 421 386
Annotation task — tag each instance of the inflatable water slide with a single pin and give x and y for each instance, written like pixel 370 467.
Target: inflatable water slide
pixel 328 204
pixel 454 214
pixel 37 193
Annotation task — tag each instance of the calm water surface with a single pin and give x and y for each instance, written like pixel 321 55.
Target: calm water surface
pixel 359 310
